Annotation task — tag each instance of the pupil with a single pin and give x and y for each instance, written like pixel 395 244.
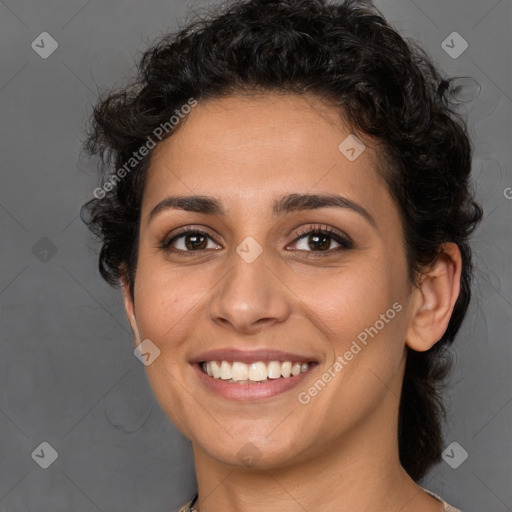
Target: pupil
pixel 194 241
pixel 316 238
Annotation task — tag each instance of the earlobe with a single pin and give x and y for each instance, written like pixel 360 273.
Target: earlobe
pixel 435 299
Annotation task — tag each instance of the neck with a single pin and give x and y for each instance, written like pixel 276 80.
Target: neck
pixel 359 472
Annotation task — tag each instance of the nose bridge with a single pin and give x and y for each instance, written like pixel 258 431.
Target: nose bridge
pixel 250 292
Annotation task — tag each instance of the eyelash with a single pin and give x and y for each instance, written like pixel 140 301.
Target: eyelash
pixel 344 240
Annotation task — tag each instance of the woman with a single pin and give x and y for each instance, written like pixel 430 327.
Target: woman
pixel 285 202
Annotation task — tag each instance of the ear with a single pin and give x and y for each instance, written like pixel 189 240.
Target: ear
pixel 435 299
pixel 129 307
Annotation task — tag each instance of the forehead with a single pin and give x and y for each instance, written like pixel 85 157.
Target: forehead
pixel 241 145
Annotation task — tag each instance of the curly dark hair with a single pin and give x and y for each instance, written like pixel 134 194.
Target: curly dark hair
pixel 386 86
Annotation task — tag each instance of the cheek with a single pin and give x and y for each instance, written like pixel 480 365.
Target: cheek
pixel 165 307
pixel 362 313
pixel 355 299
pixel 164 299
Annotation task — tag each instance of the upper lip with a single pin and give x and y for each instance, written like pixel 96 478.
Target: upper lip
pixel 250 356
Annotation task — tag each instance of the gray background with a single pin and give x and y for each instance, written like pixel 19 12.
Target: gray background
pixel 68 375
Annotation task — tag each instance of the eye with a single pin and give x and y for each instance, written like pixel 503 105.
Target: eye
pixel 189 240
pixel 315 239
pixel 319 239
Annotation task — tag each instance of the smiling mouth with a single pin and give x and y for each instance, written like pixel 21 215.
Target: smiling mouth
pixel 236 372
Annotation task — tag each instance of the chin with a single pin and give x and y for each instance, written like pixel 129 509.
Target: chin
pixel 252 452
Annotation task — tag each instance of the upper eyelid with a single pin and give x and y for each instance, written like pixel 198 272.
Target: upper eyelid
pixel 187 230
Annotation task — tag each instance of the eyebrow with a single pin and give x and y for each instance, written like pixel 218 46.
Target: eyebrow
pixel 286 204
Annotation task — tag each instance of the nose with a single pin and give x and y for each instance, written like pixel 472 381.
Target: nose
pixel 250 297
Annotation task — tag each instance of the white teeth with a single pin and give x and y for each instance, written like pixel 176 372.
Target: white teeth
pixel 286 369
pixel 225 371
pixel 296 368
pixel 258 371
pixel 240 371
pixel 274 370
pixel 215 369
pixel 254 372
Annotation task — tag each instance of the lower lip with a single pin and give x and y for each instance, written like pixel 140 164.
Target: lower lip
pixel 251 391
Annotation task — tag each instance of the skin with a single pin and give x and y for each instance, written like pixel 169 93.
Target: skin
pixel 340 450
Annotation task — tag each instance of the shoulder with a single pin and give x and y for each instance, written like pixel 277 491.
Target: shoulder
pixel 188 506
pixel 446 506
pixel 185 507
pixel 449 508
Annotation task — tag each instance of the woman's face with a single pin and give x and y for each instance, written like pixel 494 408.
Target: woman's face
pixel 256 286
